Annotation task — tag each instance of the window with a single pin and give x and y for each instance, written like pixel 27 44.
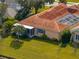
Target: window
pixel 77 37
pixel 40 31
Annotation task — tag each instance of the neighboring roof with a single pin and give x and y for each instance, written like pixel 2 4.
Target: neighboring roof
pixel 11 12
pixel 48 19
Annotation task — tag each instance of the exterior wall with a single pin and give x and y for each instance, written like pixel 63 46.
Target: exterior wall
pixel 49 34
pixel 10 1
pixel 52 35
pixel 75 37
pixel 12 8
pixel 37 34
pixel 10 12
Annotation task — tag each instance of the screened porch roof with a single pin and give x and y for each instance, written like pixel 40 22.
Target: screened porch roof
pixel 25 26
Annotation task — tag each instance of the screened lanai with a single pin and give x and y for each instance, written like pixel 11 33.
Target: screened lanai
pixel 69 19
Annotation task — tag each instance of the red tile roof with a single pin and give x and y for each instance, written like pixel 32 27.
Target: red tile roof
pixel 47 19
pixel 54 12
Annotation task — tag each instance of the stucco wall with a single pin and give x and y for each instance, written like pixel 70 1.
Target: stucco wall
pixel 52 35
pixel 49 34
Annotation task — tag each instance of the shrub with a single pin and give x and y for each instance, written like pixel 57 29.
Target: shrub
pixel 65 36
pixel 44 36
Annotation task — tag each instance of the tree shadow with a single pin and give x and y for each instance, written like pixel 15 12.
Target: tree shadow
pixel 23 38
pixel 51 41
pixel 43 39
pixel 64 43
pixel 16 44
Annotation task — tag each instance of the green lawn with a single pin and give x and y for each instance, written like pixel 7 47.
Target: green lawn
pixel 73 0
pixel 35 49
pixel 41 9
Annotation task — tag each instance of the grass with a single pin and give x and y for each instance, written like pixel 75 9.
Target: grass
pixel 36 49
pixel 41 9
pixel 73 0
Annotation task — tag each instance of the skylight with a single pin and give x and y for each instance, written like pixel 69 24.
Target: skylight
pixel 69 19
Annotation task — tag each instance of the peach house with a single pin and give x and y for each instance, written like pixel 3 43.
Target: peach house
pixel 53 21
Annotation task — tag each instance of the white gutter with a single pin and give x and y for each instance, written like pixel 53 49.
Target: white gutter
pixel 25 26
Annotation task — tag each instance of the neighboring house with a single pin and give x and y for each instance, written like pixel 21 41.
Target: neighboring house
pixel 53 21
pixel 13 7
pixel 13 4
pixel 10 12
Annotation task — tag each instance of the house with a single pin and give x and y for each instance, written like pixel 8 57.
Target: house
pixel 12 8
pixel 13 4
pixel 52 22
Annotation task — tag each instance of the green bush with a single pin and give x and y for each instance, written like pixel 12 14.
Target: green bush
pixel 65 36
pixel 44 36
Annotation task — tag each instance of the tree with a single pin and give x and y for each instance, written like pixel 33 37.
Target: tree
pixel 65 37
pixel 3 8
pixel 18 31
pixel 37 5
pixel 63 1
pixel 27 6
pixel 7 25
pixel 23 13
pixel 25 10
pixel 50 1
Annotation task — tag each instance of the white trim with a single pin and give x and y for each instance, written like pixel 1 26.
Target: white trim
pixel 25 26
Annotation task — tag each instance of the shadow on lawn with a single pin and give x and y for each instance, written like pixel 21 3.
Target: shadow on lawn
pixel 24 38
pixel 63 45
pixel 43 39
pixel 16 44
pixel 51 41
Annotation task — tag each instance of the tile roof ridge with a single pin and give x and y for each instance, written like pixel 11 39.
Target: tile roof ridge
pixel 57 26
